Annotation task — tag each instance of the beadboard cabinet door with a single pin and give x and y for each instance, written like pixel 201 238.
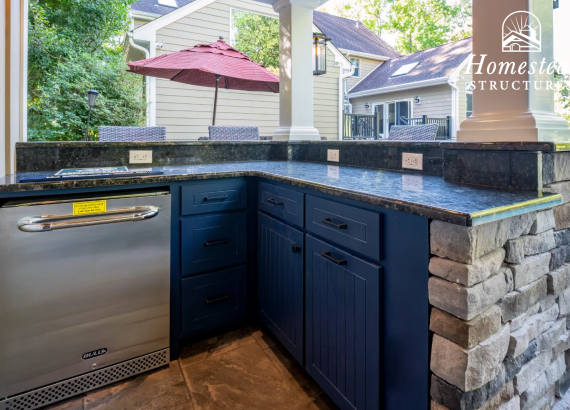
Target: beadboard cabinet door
pixel 280 282
pixel 343 325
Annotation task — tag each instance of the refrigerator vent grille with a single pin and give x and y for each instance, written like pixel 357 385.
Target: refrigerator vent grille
pixel 71 387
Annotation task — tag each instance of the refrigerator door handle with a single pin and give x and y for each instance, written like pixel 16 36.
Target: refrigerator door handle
pixel 49 223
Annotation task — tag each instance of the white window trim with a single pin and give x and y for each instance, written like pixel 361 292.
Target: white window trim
pixel 409 100
pixel 359 66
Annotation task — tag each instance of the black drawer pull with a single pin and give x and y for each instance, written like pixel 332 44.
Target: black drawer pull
pixel 208 301
pixel 327 255
pixel 329 222
pixel 216 198
pixel 274 202
pixel 295 248
pixel 220 242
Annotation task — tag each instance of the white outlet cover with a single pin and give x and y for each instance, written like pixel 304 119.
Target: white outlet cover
pixel 412 161
pixel 140 157
pixel 333 155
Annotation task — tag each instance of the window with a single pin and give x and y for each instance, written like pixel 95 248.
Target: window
pixel 468 100
pixel 405 69
pixel 355 62
pixel 257 36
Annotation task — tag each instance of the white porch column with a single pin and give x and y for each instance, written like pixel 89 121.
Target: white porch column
pixel 512 115
pixel 296 70
pixel 13 81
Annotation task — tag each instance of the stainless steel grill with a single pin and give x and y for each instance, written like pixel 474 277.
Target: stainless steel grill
pixel 81 384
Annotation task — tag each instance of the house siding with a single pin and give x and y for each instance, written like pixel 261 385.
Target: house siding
pixel 366 66
pixel 435 101
pixel 138 22
pixel 186 110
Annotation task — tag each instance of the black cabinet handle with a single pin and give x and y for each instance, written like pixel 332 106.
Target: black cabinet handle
pixel 220 242
pixel 329 222
pixel 327 255
pixel 295 248
pixel 208 301
pixel 274 202
pixel 216 198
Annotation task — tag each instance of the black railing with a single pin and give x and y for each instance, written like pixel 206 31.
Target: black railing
pixel 360 127
pixel 443 129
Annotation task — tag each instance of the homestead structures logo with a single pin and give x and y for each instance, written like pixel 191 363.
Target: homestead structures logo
pixel 521 33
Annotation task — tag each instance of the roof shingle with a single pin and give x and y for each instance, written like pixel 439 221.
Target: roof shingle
pixel 152 6
pixel 345 33
pixel 436 62
pixel 352 35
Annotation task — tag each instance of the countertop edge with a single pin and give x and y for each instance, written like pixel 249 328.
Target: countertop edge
pixel 441 214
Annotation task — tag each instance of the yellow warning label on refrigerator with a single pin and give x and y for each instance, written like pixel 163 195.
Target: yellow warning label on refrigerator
pixel 91 207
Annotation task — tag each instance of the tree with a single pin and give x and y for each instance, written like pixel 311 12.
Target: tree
pixel 75 45
pixel 423 24
pixel 258 37
pixel 370 12
pixel 562 94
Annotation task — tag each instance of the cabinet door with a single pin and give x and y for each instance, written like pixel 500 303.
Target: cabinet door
pixel 343 325
pixel 280 282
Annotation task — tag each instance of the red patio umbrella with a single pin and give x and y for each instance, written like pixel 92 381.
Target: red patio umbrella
pixel 208 64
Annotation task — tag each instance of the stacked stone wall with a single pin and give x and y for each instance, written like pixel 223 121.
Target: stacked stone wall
pixel 500 296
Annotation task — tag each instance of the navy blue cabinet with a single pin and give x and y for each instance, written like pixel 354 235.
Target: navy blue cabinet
pixel 281 282
pixel 282 202
pixel 213 299
pixel 213 242
pixel 214 196
pixel 343 325
pixel 354 228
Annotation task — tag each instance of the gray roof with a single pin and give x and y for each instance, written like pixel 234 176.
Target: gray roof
pixel 352 35
pixel 345 33
pixel 436 62
pixel 152 6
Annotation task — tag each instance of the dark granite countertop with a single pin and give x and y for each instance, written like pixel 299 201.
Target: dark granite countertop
pixel 424 195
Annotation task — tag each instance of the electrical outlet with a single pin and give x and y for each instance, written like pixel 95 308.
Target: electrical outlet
pixel 412 161
pixel 333 155
pixel 140 157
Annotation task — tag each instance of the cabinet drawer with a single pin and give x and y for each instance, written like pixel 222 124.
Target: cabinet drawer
pixel 213 197
pixel 213 242
pixel 346 225
pixel 213 299
pixel 281 202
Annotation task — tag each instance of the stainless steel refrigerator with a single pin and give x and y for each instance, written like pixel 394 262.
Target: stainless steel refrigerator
pixel 84 293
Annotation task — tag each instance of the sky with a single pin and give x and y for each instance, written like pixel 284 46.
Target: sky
pixel 561 29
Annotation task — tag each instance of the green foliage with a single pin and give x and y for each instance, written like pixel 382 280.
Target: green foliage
pixel 420 24
pixel 75 45
pixel 370 12
pixel 562 95
pixel 423 24
pixel 258 37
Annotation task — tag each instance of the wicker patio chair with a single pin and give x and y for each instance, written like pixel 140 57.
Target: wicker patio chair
pixel 223 133
pixel 425 132
pixel 125 134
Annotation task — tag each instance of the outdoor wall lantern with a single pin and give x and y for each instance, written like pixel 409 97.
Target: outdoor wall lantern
pixel 417 100
pixel 320 53
pixel 367 106
pixel 92 97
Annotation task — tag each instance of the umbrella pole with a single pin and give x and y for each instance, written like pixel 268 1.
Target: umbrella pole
pixel 216 98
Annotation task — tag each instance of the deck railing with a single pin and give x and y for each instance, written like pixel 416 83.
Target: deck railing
pixel 359 127
pixel 443 129
pixel 356 126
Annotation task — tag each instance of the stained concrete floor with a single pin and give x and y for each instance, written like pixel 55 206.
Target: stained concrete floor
pixel 240 369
